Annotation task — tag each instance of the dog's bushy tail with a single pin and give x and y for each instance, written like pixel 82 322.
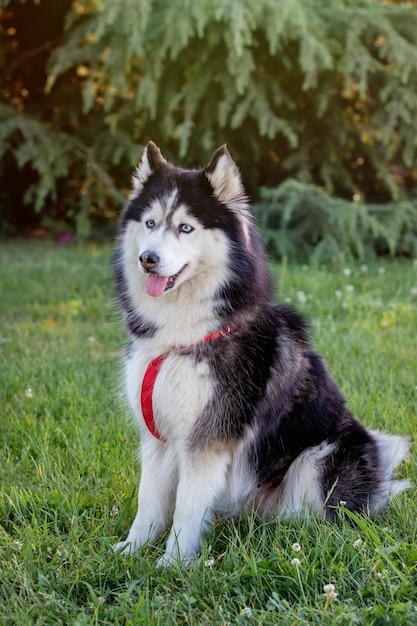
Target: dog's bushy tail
pixel 392 450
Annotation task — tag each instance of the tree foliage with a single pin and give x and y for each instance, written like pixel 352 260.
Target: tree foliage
pixel 303 220
pixel 325 93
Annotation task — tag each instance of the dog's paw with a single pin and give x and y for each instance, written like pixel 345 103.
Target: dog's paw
pixel 174 560
pixel 125 547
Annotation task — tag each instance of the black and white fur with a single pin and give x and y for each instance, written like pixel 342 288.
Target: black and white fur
pixel 251 420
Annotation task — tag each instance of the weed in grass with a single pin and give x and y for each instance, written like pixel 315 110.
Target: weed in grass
pixel 69 479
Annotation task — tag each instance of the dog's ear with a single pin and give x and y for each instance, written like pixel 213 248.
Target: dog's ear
pixel 151 161
pixel 224 176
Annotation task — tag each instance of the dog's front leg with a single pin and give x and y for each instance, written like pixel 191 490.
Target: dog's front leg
pixel 156 497
pixel 202 481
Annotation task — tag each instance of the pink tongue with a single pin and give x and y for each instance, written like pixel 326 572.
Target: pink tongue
pixel 155 285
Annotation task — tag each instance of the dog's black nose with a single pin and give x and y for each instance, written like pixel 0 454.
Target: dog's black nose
pixel 148 259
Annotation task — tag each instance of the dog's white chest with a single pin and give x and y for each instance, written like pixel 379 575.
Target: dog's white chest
pixel 181 390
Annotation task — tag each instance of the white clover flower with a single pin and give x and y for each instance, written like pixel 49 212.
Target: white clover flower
pixel 62 552
pixel 296 547
pixel 329 592
pixel 342 502
pixel 413 291
pixel 209 563
pixel 338 293
pixel 358 544
pixel 114 511
pixel 350 288
pixel 364 268
pixel 295 562
pixel 29 393
pixel 18 544
pixel 246 612
pixel 347 271
pixel 301 296
pixel 381 270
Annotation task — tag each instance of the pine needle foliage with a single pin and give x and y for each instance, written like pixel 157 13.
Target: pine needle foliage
pixel 324 93
pixel 302 220
pixel 31 143
pixel 330 87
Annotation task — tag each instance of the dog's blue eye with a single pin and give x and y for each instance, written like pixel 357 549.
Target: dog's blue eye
pixel 150 224
pixel 185 228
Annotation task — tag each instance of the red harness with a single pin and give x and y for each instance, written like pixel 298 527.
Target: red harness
pixel 150 377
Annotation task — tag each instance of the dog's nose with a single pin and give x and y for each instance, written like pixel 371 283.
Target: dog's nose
pixel 148 259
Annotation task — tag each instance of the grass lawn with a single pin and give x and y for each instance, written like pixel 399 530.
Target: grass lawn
pixel 68 473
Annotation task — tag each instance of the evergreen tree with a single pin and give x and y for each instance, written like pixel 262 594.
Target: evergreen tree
pixel 325 93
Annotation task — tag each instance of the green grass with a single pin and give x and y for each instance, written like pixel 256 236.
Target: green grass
pixel 68 474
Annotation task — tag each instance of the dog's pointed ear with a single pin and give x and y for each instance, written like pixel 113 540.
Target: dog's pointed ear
pixel 224 176
pixel 151 161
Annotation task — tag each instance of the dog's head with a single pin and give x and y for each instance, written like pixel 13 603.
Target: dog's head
pixel 183 223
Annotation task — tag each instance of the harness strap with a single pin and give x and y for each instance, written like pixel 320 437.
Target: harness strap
pixel 147 392
pixel 151 373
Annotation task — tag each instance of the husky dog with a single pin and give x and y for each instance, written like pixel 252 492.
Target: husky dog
pixel 236 412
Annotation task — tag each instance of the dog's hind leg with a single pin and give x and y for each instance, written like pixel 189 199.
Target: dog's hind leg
pixel 155 497
pixel 202 481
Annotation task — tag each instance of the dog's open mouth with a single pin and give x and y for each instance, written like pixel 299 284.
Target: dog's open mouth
pixel 157 285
